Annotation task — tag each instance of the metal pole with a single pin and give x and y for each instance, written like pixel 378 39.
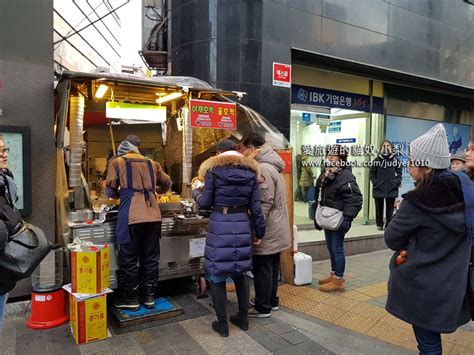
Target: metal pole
pixel 112 137
pixel 368 130
pixel 187 150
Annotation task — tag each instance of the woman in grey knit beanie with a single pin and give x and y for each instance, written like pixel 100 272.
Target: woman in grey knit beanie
pixel 429 269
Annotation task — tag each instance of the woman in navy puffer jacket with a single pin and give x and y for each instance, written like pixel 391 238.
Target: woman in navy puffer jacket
pixel 231 189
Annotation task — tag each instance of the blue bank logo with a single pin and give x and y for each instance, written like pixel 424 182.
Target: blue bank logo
pixel 302 95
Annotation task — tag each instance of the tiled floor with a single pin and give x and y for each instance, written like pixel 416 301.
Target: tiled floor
pixel 361 307
pixel 309 322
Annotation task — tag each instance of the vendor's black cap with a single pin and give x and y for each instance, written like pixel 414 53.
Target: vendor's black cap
pixel 133 139
pixel 225 144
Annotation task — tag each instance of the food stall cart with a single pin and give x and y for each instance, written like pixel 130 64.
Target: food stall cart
pixel 178 119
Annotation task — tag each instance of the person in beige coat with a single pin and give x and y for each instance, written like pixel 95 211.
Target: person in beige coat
pixel 266 256
pixel 136 180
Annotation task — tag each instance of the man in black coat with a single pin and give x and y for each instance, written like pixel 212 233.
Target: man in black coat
pixel 386 176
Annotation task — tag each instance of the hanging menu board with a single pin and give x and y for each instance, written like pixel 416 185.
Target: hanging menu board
pixel 213 114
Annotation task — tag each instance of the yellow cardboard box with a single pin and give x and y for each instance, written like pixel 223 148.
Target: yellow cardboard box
pixel 88 318
pixel 90 269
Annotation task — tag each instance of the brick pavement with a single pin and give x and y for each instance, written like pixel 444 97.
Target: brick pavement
pixel 309 322
pixel 361 307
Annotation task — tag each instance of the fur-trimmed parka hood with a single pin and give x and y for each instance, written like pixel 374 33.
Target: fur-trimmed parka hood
pixel 225 160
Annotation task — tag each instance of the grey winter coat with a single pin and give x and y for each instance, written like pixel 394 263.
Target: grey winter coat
pixel 429 289
pixel 274 203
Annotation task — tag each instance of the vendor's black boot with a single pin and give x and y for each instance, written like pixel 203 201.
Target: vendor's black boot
pixel 128 300
pixel 148 296
pixel 221 326
pixel 241 321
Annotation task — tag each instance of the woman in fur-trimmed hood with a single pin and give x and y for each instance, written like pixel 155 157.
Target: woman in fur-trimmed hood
pixel 231 190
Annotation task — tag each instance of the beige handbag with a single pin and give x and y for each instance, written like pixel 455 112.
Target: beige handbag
pixel 327 217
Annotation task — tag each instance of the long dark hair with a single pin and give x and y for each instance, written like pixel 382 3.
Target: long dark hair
pixel 386 141
pixel 426 179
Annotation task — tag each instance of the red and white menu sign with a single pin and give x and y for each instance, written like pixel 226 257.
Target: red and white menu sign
pixel 213 114
pixel 281 75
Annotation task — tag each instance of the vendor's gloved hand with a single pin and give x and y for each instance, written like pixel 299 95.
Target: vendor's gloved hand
pixel 345 225
pixel 196 183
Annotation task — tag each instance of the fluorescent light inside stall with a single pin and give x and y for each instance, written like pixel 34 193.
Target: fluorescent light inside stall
pixel 169 97
pixel 135 113
pixel 101 90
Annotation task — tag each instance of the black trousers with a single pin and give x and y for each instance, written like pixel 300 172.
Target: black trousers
pixel 379 210
pixel 139 260
pixel 219 297
pixel 266 272
pixel 304 192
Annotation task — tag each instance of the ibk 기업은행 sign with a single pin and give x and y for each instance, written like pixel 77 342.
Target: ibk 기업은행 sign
pixel 213 114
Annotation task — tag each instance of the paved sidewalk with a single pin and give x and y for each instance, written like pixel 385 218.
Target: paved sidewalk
pixel 309 322
pixel 361 307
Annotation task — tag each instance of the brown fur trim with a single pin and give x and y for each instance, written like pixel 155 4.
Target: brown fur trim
pixel 224 160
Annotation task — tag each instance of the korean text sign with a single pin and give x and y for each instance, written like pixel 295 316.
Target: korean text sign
pixel 213 114
pixel 281 75
pixel 331 98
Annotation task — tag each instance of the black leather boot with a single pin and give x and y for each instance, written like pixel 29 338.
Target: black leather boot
pixel 240 321
pixel 148 296
pixel 128 299
pixel 222 327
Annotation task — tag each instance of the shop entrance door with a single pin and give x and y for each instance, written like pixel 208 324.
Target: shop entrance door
pixel 312 130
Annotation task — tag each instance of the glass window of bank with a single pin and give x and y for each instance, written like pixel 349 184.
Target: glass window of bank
pixel 333 108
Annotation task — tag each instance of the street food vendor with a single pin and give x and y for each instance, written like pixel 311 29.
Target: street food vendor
pixel 136 180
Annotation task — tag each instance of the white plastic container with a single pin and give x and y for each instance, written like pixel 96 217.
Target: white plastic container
pixel 303 269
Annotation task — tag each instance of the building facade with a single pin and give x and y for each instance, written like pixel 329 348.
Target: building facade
pixel 362 70
pixel 26 101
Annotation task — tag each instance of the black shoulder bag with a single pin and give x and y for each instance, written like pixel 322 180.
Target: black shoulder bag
pixel 23 252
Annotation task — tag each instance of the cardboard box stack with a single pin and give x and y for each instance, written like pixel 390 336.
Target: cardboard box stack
pixel 90 274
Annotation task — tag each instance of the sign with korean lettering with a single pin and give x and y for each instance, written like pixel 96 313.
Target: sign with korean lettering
pixel 213 114
pixel 281 75
pixel 306 117
pixel 345 140
pixel 285 155
pixel 322 120
pixel 335 99
pixel 335 127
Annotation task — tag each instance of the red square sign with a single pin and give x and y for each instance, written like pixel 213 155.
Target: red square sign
pixel 213 114
pixel 282 75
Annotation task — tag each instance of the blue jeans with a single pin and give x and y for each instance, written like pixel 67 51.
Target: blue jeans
pixel 3 303
pixel 429 343
pixel 335 245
